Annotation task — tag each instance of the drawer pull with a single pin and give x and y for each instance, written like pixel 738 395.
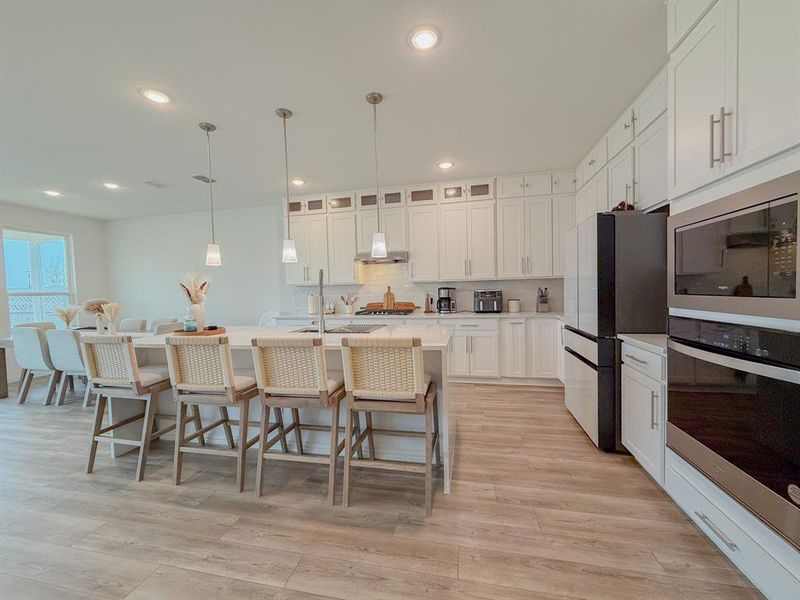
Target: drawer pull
pixel 637 360
pixel 467 325
pixel 725 540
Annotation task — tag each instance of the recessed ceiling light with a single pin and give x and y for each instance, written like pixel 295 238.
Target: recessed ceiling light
pixel 424 37
pixel 448 164
pixel 52 192
pixel 111 186
pixel 298 181
pixel 156 96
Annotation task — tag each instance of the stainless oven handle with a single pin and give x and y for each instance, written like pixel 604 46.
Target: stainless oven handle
pixel 725 540
pixel 780 373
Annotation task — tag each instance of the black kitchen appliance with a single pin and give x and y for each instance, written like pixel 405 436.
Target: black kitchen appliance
pixel 446 303
pixel 488 301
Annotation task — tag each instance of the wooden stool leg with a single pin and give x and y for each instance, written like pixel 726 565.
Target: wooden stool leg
pixel 99 409
pixel 223 413
pixel 71 383
pixel 262 445
pixel 180 424
pixel 25 387
pixel 333 453
pixel 241 460
pixel 368 418
pixel 55 377
pixel 348 450
pixel 198 424
pixel 298 434
pixel 428 459
pixel 62 391
pixel 147 432
pixel 279 421
pixel 356 417
pixel 438 454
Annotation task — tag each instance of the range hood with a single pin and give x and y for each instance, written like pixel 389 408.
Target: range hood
pixel 365 258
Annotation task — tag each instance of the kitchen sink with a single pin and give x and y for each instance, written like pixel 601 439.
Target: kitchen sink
pixel 342 329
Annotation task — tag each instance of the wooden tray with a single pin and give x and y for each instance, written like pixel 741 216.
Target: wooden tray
pixel 217 331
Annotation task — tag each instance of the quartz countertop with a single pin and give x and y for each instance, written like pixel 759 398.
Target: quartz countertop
pixel 418 314
pixel 652 342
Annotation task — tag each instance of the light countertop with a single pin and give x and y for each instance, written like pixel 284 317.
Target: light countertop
pixel 420 315
pixel 652 342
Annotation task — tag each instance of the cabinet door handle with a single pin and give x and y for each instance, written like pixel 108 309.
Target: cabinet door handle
pixel 627 189
pixel 722 153
pixel 522 261
pixel 469 264
pixel 710 524
pixel 711 158
pixel 529 265
pixel 653 398
pixel 465 267
pixel 637 360
pixel 627 126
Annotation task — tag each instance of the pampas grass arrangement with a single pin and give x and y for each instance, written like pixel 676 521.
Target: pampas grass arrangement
pixel 195 288
pixel 67 314
pixel 94 306
pixel 111 311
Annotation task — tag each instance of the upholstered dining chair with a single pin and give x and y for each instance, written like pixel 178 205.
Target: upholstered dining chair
pixel 156 323
pixel 66 355
pixel 40 325
pixel 269 319
pixel 33 356
pixel 165 328
pixel 132 325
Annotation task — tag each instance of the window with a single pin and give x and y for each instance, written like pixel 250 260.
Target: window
pixel 38 275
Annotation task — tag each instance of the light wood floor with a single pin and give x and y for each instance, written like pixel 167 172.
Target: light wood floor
pixel 537 512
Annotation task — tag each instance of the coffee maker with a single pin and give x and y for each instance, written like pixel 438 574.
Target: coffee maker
pixel 447 300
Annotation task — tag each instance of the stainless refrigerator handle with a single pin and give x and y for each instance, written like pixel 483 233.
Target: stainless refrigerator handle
pixel 710 524
pixel 780 373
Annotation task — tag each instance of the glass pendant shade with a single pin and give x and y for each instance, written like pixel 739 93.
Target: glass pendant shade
pixel 378 245
pixel 289 251
pixel 213 257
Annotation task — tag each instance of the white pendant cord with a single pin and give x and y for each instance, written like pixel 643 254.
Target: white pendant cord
pixel 210 187
pixel 286 164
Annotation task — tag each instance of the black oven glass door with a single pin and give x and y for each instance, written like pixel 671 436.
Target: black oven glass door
pixel 750 253
pixel 746 412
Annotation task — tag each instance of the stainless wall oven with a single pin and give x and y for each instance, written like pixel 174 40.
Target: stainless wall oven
pixel 739 254
pixel 734 412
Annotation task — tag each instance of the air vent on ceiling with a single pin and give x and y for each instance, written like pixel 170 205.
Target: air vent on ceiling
pixel 157 184
pixel 203 178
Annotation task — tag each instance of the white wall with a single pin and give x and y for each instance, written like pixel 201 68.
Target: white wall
pixel 148 256
pixel 88 237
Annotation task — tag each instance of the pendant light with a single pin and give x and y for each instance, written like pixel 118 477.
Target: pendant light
pixel 289 250
pixel 378 238
pixel 213 257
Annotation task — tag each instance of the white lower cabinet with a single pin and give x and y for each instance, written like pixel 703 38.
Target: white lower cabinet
pixel 542 348
pixel 513 343
pixel 642 424
pixel 474 348
pixel 561 351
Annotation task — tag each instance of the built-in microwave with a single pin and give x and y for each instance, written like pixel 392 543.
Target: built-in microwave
pixel 738 254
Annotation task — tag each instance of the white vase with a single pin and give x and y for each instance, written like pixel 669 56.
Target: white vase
pixel 112 327
pixel 98 319
pixel 199 314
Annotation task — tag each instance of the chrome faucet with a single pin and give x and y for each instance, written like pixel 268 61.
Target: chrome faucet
pixel 321 304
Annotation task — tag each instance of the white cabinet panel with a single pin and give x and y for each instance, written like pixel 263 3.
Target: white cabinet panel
pixel 539 218
pixel 458 358
pixel 620 134
pixel 513 355
pixel 423 243
pixel 587 275
pixel 561 352
pixel 417 195
pixel 651 103
pixel 453 244
pixel 480 189
pixel 454 191
pixel 538 184
pixel 510 187
pixel 481 241
pixel 650 162
pixel 341 202
pixel 597 199
pixel 681 17
pixel 571 277
pixel 642 426
pixel 394 227
pixel 393 197
pixel 317 246
pixel 620 179
pixel 563 221
pixel 767 111
pixel 341 247
pixel 483 353
pixel 511 242
pixel 543 347
pixel 563 182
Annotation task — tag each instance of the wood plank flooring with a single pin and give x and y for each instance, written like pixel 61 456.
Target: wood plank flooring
pixel 536 513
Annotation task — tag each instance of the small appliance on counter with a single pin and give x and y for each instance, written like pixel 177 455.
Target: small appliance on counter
pixel 447 300
pixel 488 301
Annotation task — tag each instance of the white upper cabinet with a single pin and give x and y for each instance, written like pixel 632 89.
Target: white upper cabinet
pixel 702 90
pixel 481 189
pixel 650 163
pixel 393 222
pixel 417 195
pixel 564 182
pixel 310 233
pixel 481 237
pixel 341 202
pixel 563 221
pixel 423 243
pixel 453 245
pixel 511 187
pixel 393 197
pixel 593 197
pixel 454 191
pixel 538 184
pixel 651 103
pixel 539 221
pixel 534 184
pixel 767 112
pixel 467 241
pixel 595 160
pixel 524 238
pixel 620 179
pixel 341 248
pixel 366 200
pixel 620 134
pixel 681 17
pixel 309 204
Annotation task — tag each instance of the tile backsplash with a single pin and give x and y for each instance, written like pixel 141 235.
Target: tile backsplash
pixel 374 279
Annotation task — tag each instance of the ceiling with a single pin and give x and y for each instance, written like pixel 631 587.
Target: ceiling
pixel 512 87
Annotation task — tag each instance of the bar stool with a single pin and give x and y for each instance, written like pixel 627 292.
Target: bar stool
pixel 65 352
pixel 201 372
pixel 292 373
pixel 33 356
pixel 386 375
pixel 114 372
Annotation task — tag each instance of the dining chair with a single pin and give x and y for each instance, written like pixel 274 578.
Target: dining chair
pixel 269 319
pixel 66 355
pixel 165 328
pixel 156 323
pixel 114 372
pixel 292 373
pixel 40 325
pixel 132 325
pixel 386 375
pixel 201 373
pixel 33 356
